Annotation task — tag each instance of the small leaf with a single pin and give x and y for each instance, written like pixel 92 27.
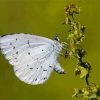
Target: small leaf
pixel 84 72
pixel 89 92
pixel 78 93
pixel 71 9
pixel 77 71
pixel 81 71
pixel 93 96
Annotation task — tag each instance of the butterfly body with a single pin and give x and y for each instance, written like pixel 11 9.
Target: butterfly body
pixel 33 57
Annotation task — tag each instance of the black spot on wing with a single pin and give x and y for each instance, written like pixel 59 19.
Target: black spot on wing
pixel 50 66
pixel 31 68
pixel 10 43
pixel 36 79
pixel 28 43
pixel 44 78
pixel 16 70
pixel 28 53
pixel 17 52
pixel 44 69
pixel 13 47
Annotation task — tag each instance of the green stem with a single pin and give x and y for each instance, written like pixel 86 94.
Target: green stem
pixel 74 49
pixel 87 81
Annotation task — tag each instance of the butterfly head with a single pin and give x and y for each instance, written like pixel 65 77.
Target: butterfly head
pixel 56 38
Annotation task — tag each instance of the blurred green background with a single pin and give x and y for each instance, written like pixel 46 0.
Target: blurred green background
pixel 44 18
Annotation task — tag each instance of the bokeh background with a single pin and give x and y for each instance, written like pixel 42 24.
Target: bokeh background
pixel 44 18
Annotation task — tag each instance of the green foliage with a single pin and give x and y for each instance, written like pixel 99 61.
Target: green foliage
pixel 81 71
pixel 76 35
pixel 89 92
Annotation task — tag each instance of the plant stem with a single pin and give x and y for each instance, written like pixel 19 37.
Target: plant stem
pixel 74 49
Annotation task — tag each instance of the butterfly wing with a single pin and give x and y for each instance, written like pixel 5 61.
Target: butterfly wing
pixel 32 56
pixel 37 69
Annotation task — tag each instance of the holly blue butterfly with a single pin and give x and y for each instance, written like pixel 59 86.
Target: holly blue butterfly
pixel 33 57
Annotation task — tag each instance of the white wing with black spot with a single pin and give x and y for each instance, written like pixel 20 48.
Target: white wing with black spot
pixel 33 57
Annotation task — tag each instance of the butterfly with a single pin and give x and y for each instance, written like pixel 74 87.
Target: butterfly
pixel 33 57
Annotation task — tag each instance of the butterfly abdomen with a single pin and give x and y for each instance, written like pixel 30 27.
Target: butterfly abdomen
pixel 59 69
